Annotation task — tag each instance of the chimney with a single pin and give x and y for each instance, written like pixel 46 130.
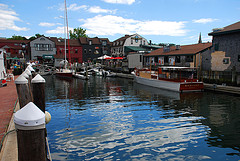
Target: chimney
pixel 166 49
pixel 178 47
pixel 150 42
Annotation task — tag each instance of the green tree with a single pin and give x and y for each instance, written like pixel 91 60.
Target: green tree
pixel 36 36
pixel 77 33
pixel 14 37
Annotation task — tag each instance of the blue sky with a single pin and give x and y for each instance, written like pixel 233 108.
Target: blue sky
pixel 162 21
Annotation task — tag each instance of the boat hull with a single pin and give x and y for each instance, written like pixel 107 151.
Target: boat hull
pixel 63 74
pixel 80 76
pixel 170 85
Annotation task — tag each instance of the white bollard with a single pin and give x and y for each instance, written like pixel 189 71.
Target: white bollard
pixel 30 125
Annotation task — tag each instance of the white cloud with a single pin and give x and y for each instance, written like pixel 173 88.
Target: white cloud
pixel 8 18
pixel 72 7
pixel 111 25
pixel 75 7
pixel 97 9
pixel 58 30
pixel 46 24
pixel 204 20
pixel 129 2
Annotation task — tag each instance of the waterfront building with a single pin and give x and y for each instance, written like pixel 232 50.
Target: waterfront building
pixel 225 54
pixel 92 48
pixel 184 56
pixel 222 64
pixel 16 49
pixel 42 48
pixel 128 43
pixel 74 46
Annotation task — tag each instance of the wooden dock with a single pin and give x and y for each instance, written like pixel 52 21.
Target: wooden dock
pixel 222 88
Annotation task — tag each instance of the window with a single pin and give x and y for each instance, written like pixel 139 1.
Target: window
pixel 90 42
pixel 189 58
pixel 166 59
pixel 177 59
pixel 136 39
pixel 85 51
pixel 104 43
pixel 43 47
pixel 140 58
pixel 76 51
pixel 226 61
pixel 90 51
pixel 131 41
pixel 238 58
pixel 216 47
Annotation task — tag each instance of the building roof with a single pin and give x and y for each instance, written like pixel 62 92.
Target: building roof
pixel 184 50
pixel 61 41
pixel 226 30
pixel 95 40
pixel 9 41
pixel 123 39
pixel 133 48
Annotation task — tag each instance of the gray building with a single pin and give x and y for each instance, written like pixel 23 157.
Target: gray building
pixel 225 53
pixel 41 47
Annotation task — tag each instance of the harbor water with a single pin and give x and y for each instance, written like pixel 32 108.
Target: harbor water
pixel 117 119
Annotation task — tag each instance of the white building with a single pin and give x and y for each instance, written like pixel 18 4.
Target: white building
pixel 128 43
pixel 42 46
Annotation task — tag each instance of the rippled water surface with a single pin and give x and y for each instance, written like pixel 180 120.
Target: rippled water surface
pixel 117 119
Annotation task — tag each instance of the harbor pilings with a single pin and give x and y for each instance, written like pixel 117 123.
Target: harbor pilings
pixel 38 91
pixel 30 126
pixel 23 91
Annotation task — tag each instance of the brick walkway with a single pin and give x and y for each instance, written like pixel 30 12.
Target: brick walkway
pixel 8 97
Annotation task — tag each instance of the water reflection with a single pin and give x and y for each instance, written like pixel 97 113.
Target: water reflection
pixel 116 119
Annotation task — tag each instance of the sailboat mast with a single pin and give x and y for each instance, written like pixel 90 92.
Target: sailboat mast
pixel 69 55
pixel 65 44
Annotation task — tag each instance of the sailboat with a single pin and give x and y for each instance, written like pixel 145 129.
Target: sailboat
pixel 65 72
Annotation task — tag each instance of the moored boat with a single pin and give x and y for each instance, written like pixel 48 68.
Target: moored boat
pixel 64 73
pixel 180 79
pixel 81 76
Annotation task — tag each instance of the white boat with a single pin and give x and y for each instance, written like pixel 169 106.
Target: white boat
pixel 180 79
pixel 80 76
pixel 66 73
pixel 108 74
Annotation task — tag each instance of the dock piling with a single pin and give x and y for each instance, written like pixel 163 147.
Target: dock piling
pixel 38 89
pixel 23 91
pixel 30 125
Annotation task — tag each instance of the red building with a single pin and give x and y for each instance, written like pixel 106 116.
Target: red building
pixel 16 48
pixel 75 49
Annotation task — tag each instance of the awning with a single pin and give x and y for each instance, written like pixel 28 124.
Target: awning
pixel 10 58
pixel 109 58
pixel 133 48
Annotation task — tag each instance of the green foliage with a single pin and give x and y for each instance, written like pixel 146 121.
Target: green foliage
pixel 14 37
pixel 77 33
pixel 36 36
pixel 166 44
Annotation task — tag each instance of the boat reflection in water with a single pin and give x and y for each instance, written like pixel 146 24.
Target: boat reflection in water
pixel 116 119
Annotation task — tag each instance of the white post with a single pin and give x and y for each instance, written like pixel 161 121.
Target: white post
pixel 30 125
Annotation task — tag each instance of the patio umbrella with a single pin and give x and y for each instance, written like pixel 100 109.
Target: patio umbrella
pixel 118 58
pixel 103 57
pixel 109 58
